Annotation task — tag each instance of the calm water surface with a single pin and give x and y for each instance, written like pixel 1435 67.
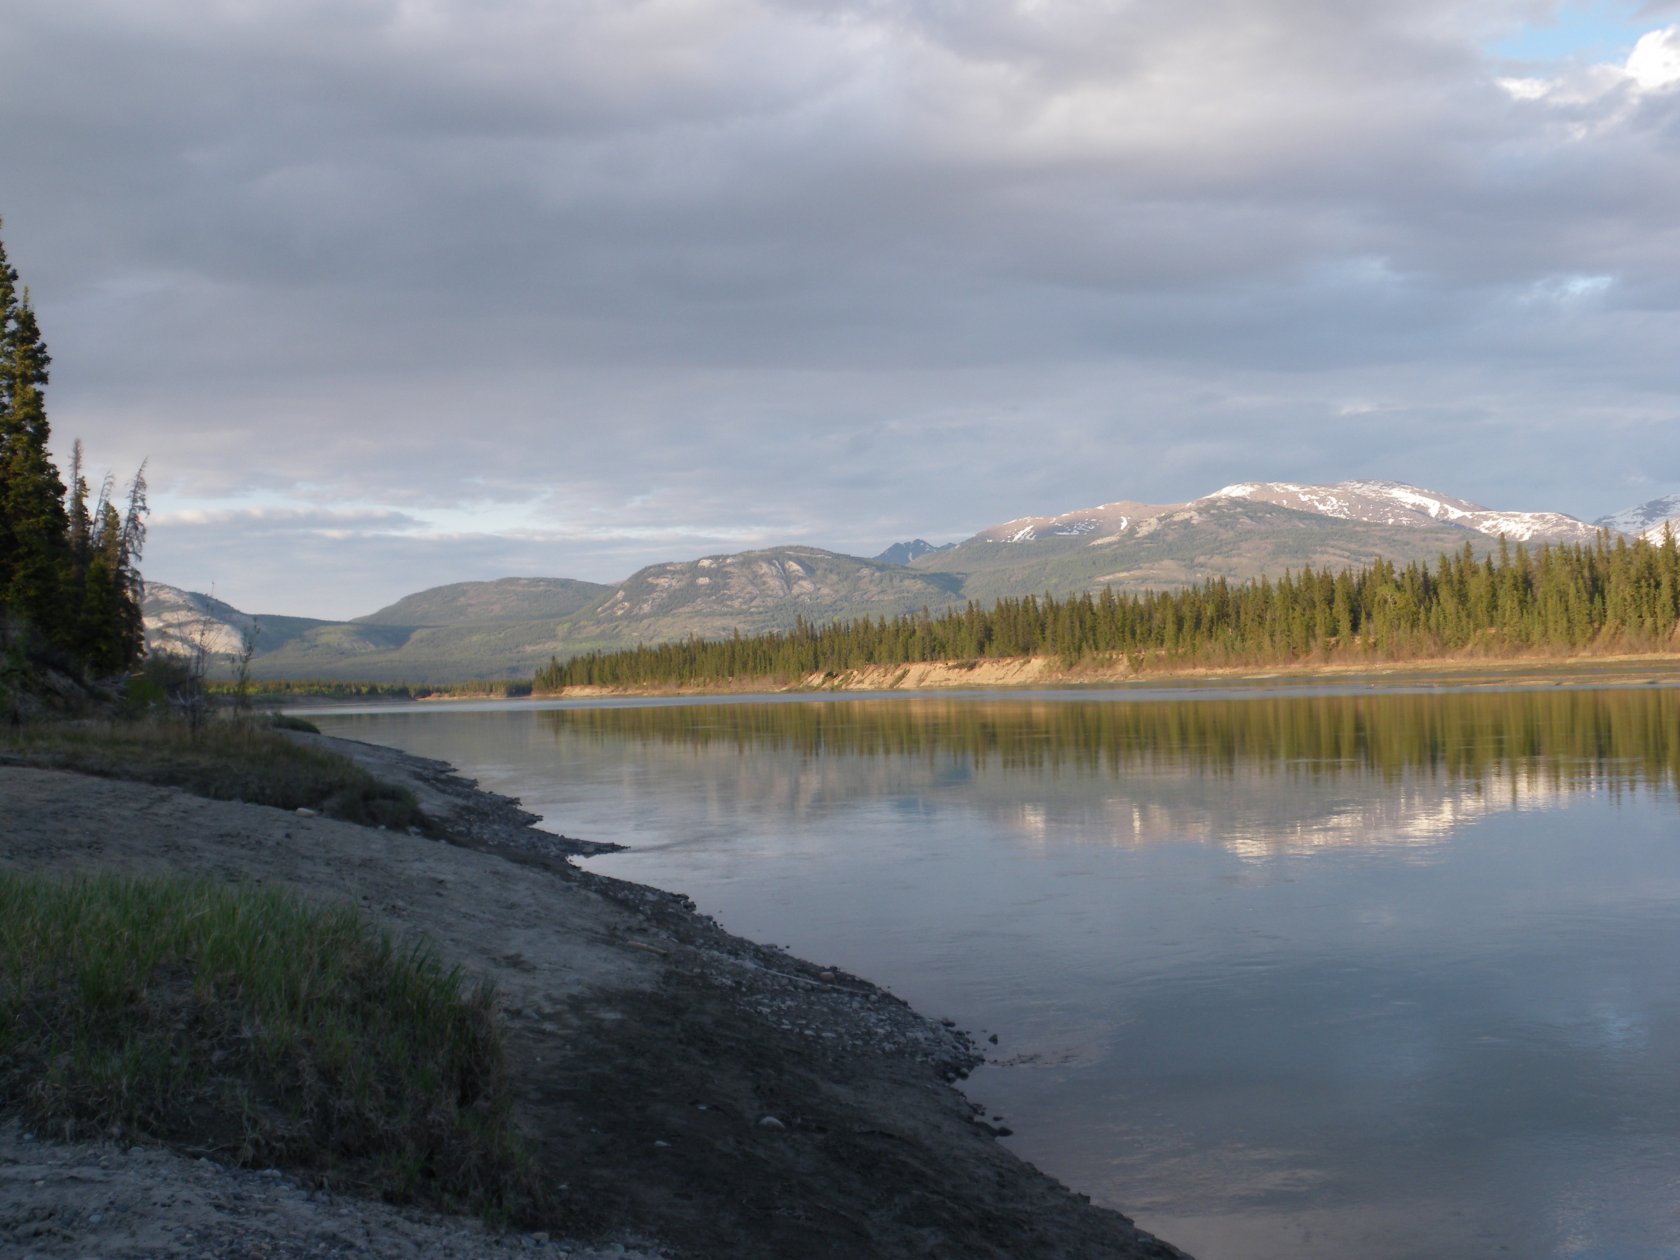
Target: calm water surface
pixel 1374 975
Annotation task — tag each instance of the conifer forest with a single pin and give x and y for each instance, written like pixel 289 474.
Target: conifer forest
pixel 1554 600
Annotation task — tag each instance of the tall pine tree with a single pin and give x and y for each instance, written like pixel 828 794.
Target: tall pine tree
pixel 34 544
pixel 69 579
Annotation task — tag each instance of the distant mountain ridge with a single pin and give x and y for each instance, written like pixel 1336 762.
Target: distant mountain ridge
pixel 1395 503
pixel 1169 548
pixel 462 603
pixel 180 622
pixel 905 552
pixel 1239 532
pixel 1648 520
pixel 1389 503
pixel 768 589
pixel 508 627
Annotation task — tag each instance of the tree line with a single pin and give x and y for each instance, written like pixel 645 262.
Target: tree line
pixel 288 690
pixel 1555 599
pixel 70 586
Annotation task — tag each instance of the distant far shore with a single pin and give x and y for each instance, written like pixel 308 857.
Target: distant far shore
pixel 1039 672
pixel 1034 673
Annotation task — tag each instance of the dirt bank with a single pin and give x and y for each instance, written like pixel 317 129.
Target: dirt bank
pixel 1024 672
pixel 696 1094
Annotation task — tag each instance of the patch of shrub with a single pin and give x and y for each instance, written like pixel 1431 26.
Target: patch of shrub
pixel 248 1024
pixel 225 759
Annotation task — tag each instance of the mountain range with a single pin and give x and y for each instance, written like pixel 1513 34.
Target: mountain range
pixel 1647 520
pixel 507 628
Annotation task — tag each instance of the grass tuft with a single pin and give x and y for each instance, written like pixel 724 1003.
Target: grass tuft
pixel 248 1024
pixel 227 760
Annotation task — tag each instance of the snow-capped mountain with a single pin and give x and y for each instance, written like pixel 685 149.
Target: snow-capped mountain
pixel 1387 503
pixel 1397 504
pixel 1648 519
pixel 1247 530
pixel 1244 531
pixel 1097 524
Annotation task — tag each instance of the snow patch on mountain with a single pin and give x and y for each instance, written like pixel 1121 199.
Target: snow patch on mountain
pixel 1398 504
pixel 1098 525
pixel 1648 519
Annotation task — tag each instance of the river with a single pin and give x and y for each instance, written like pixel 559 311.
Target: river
pixel 1346 972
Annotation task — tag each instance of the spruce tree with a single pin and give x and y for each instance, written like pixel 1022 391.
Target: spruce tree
pixel 128 631
pixel 34 545
pixel 69 578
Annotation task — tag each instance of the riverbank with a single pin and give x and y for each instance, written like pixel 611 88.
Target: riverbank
pixel 1045 672
pixel 694 1094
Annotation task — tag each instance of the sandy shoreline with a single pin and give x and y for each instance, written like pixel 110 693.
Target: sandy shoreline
pixel 697 1094
pixel 1008 674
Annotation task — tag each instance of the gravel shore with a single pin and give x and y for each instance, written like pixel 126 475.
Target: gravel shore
pixel 696 1094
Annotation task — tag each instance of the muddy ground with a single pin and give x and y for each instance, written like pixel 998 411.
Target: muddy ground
pixel 696 1094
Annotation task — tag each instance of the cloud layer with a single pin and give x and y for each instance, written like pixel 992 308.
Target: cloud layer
pixel 566 288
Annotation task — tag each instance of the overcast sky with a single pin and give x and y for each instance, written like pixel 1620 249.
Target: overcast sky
pixel 401 292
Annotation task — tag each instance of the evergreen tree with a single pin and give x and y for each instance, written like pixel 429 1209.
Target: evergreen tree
pixel 69 577
pixel 34 536
pixel 1558 599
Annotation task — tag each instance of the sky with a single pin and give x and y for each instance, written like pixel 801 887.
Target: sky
pixel 393 293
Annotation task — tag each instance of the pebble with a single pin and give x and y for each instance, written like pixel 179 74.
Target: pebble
pixel 770 1122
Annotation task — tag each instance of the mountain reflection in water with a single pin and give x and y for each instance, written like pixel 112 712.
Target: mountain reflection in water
pixel 1379 974
pixel 1403 770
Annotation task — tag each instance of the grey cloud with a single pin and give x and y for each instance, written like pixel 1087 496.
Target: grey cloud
pixel 326 521
pixel 321 576
pixel 831 272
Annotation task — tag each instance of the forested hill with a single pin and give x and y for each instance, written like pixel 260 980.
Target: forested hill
pixel 510 627
pixel 1560 599
pixel 464 603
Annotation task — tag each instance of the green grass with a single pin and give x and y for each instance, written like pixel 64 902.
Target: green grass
pixel 247 1024
pixel 227 759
